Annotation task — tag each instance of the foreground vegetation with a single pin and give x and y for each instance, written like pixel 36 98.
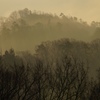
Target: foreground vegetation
pixel 54 72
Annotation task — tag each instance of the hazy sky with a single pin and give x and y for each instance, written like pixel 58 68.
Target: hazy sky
pixel 88 10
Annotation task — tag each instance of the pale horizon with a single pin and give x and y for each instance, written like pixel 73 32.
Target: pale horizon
pixel 87 10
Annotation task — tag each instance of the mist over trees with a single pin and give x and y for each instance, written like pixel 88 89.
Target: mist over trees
pixel 24 25
pixel 48 57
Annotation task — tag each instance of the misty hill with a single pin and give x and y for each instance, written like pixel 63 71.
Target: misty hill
pixel 24 29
